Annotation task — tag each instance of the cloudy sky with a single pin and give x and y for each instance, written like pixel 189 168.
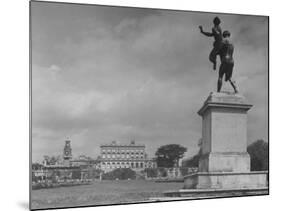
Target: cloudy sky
pixel 106 73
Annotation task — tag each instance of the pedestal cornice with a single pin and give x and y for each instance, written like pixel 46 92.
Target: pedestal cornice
pixel 225 100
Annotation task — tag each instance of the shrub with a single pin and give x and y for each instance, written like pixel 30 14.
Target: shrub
pixel 151 172
pixel 121 174
pixel 258 152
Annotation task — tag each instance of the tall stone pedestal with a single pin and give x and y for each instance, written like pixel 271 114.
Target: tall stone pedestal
pixel 225 163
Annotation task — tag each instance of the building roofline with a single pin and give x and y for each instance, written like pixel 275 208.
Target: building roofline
pixel 122 145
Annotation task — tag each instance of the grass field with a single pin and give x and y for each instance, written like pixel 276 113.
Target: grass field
pixel 100 192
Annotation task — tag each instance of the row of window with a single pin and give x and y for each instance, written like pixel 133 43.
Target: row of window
pixel 122 156
pixel 123 151
pixel 125 164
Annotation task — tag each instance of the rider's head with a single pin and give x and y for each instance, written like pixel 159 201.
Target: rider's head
pixel 216 21
pixel 226 34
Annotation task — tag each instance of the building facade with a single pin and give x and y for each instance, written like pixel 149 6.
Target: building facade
pixel 130 155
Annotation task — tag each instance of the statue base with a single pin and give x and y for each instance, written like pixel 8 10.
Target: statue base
pixel 226 180
pixel 224 163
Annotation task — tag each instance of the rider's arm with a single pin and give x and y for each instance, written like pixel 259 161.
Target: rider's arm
pixel 208 34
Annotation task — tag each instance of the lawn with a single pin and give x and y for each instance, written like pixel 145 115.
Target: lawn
pixel 100 192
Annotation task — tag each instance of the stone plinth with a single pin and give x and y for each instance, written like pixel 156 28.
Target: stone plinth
pixel 224 162
pixel 224 133
pixel 226 180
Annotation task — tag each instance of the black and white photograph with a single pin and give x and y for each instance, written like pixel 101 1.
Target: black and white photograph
pixel 141 105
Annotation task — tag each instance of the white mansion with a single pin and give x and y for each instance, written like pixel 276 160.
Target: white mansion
pixel 131 155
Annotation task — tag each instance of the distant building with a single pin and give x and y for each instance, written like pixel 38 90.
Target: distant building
pixel 130 155
pixel 85 162
pixel 67 153
pixel 67 159
pixel 37 171
pixel 82 160
pixel 63 167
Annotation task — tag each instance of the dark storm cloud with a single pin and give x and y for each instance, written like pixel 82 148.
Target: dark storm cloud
pixel 103 74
